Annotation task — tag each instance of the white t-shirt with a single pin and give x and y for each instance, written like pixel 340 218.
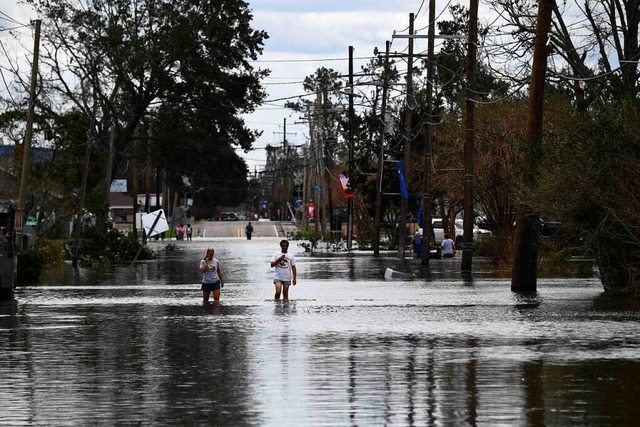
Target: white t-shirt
pixel 448 246
pixel 210 275
pixel 283 268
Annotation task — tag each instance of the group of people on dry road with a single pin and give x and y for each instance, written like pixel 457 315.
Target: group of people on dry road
pixel 182 231
pixel 285 273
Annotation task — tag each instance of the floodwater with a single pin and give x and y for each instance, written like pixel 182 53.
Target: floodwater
pixel 134 346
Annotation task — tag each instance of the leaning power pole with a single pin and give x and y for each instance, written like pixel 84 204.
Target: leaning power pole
pixel 28 136
pixel 525 263
pixel 469 144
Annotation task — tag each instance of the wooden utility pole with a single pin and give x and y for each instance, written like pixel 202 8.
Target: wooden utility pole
pixel 285 180
pixel 147 172
pixel 351 119
pixel 83 187
pixel 525 263
pixel 469 144
pixel 28 136
pixel 113 134
pixel 321 205
pixel 404 203
pixel 383 112
pixel 428 138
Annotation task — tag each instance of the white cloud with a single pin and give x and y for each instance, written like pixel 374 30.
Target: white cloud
pixel 327 32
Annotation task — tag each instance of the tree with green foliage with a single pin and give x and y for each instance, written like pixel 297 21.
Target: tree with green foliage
pixel 146 61
pixel 154 84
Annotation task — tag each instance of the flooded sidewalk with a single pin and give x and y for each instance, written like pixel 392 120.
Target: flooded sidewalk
pixel 133 345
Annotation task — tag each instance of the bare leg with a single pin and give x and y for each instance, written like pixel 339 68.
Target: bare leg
pixel 216 295
pixel 205 297
pixel 278 289
pixel 285 292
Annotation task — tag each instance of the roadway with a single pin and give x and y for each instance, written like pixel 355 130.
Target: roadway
pixel 209 229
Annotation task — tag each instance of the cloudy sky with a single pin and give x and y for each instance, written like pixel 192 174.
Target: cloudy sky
pixel 303 36
pixel 307 35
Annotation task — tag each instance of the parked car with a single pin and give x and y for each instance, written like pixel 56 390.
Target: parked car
pixel 438 231
pixel 478 232
pixel 228 216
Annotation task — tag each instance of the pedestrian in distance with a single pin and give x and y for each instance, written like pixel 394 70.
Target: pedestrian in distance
pixel 248 230
pixel 285 270
pixel 189 232
pixel 180 232
pixel 212 280
pixel 448 247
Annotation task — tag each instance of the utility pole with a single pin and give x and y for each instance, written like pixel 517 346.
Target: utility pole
pixel 351 118
pixel 147 171
pixel 285 188
pixel 383 111
pixel 308 170
pixel 427 131
pixel 83 187
pixel 469 144
pixel 525 263
pixel 427 140
pixel 321 199
pixel 404 203
pixel 28 136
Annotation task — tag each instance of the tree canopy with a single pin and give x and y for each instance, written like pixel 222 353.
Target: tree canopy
pixel 175 73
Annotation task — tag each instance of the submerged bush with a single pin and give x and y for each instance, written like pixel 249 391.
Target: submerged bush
pixel 29 266
pixel 52 251
pixel 107 246
pixel 308 234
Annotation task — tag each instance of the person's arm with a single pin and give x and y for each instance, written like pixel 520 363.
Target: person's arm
pixel 277 261
pixel 220 276
pixel 295 274
pixel 203 266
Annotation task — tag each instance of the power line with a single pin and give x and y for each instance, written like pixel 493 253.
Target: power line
pixel 261 61
pixel 10 19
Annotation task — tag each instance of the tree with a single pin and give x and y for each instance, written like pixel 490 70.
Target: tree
pixel 135 57
pixel 586 40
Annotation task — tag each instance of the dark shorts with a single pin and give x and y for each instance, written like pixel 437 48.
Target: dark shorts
pixel 210 287
pixel 447 256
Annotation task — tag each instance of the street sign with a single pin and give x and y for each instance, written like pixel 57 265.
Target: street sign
pixel 154 223
pixel 118 186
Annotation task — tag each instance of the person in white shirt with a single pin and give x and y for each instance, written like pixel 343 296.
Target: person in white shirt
pixel 285 270
pixel 211 277
pixel 448 247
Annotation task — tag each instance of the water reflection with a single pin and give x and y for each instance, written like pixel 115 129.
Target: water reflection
pixel 283 308
pixel 135 346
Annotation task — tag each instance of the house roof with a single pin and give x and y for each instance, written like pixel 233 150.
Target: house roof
pixel 120 201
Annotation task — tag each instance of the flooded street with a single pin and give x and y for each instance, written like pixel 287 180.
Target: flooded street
pixel 134 346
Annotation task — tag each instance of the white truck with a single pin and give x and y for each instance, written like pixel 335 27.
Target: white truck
pixel 438 231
